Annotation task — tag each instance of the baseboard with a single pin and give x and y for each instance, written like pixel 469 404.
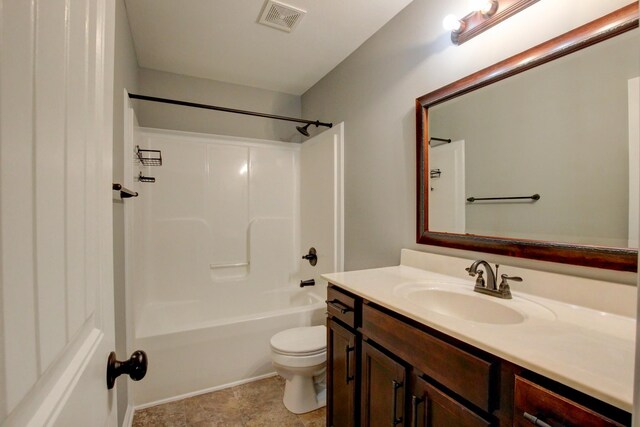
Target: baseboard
pixel 199 392
pixel 128 416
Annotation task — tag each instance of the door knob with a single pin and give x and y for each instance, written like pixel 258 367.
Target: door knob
pixel 135 367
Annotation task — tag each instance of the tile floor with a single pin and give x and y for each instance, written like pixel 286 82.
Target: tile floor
pixel 258 403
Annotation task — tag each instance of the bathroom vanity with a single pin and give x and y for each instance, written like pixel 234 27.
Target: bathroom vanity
pixel 413 347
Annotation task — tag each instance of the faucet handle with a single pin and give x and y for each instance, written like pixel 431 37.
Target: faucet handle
pixel 480 280
pixel 504 289
pixel 507 277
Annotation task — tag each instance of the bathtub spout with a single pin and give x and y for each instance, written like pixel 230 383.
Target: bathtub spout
pixel 310 282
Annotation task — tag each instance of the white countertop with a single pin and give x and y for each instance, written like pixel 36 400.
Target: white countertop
pixel 590 350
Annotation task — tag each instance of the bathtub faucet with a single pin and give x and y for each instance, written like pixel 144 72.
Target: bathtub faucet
pixel 310 282
pixel 312 256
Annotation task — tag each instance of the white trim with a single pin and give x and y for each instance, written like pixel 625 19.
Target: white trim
pixel 130 124
pixel 204 391
pixel 339 197
pixel 633 117
pixel 128 416
pixel 634 153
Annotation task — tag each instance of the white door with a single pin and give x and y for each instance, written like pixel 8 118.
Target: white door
pixel 447 188
pixel 56 285
pixel 321 202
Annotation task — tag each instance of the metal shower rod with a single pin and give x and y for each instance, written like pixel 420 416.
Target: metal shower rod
pixel 227 110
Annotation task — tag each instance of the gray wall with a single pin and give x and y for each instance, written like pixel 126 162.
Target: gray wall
pixel 193 89
pixel 125 77
pixel 569 142
pixel 374 90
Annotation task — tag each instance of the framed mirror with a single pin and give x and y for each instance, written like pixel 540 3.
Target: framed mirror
pixel 531 157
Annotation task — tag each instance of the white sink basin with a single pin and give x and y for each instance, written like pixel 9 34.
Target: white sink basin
pixel 461 302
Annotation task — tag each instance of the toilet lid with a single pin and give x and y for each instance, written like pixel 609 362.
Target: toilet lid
pixel 305 340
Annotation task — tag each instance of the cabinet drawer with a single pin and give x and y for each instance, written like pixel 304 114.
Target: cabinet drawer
pixel 463 373
pixel 341 306
pixel 551 408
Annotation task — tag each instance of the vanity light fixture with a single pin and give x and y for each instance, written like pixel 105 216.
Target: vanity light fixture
pixel 484 15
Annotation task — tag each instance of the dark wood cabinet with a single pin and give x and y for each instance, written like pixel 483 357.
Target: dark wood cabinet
pixel 430 407
pixel 341 380
pixel 383 389
pixel 384 369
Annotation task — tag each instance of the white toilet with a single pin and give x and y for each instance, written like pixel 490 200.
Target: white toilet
pixel 299 356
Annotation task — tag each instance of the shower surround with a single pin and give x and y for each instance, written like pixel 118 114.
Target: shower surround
pixel 216 247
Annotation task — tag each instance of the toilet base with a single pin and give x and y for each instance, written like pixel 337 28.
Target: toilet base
pixel 302 395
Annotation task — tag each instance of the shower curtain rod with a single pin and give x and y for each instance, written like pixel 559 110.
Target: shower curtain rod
pixel 227 110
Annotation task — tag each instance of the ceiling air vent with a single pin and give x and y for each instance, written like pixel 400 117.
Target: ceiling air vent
pixel 281 16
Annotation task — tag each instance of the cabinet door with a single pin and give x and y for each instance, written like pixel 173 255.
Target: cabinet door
pixel 432 408
pixel 383 389
pixel 341 376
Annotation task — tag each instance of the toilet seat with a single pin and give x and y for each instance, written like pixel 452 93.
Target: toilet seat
pixel 304 341
pixel 288 353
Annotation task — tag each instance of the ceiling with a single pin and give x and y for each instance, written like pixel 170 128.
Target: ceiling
pixel 222 40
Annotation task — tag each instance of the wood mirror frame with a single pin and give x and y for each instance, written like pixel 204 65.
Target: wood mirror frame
pixel 622 259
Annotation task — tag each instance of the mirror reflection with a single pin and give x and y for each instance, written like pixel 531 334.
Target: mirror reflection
pixel 561 131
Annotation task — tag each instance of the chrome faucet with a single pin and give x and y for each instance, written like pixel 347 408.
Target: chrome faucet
pixel 491 287
pixel 480 283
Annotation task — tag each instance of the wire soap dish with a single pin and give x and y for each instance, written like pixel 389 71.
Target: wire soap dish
pixel 149 157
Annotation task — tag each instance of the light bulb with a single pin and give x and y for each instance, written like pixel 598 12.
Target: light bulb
pixel 485 7
pixel 479 5
pixel 451 23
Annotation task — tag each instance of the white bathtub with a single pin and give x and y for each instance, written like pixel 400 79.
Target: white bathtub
pixel 199 346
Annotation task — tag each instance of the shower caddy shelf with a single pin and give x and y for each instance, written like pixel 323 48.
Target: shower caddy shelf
pixel 149 157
